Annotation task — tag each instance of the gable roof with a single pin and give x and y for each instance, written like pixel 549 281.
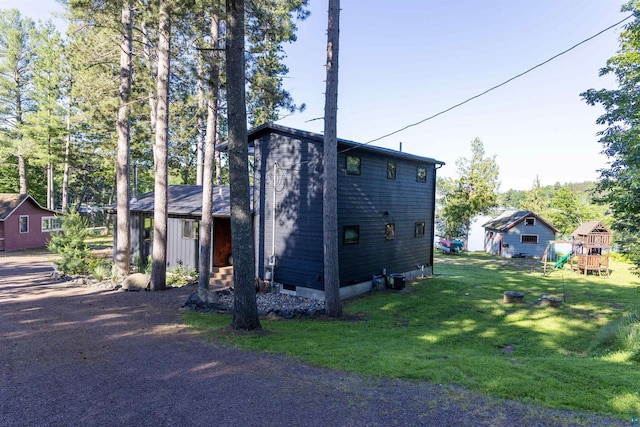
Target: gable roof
pixel 9 202
pixel 591 227
pixel 342 143
pixel 187 200
pixel 510 218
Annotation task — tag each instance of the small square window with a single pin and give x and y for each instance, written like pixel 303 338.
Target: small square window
pixel 24 224
pixel 391 170
pixel 353 165
pixel 530 221
pixel 189 229
pixel 419 229
pixel 390 231
pixel 351 234
pixel 421 175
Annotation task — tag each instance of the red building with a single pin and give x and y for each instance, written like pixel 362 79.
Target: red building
pixel 24 224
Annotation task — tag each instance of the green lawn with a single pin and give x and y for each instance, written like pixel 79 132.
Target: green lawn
pixel 455 329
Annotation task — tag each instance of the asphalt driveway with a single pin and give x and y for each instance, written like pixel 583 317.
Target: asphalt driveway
pixel 78 356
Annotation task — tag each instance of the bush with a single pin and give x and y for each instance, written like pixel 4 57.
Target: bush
pixel 100 269
pixel 181 275
pixel 69 244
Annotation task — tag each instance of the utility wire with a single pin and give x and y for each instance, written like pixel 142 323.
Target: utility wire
pixel 490 89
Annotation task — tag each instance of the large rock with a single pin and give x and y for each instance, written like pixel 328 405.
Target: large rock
pixel 136 282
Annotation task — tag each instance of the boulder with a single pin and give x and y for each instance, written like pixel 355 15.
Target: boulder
pixel 136 282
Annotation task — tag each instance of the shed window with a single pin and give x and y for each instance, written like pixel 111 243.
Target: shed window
pixel 390 231
pixel 529 238
pixel 353 165
pixel 391 170
pixel 530 221
pixel 419 229
pixel 189 229
pixel 24 223
pixel 351 234
pixel 51 223
pixel 421 174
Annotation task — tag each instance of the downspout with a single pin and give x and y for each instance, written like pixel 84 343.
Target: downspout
pixel 433 217
pixel 273 259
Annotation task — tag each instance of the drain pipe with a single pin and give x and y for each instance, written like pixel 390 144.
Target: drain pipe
pixel 272 258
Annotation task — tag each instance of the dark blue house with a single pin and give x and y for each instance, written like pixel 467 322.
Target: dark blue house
pixel 386 205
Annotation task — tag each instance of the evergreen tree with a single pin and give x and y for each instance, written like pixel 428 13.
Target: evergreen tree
pixel 70 245
pixel 474 192
pixel 16 33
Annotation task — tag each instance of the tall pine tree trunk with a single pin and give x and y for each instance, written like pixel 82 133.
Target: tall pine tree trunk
pixel 333 305
pixel 206 222
pixel 67 153
pixel 245 309
pixel 123 238
pixel 159 266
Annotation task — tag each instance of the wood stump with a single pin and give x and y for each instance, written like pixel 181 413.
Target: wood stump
pixel 511 297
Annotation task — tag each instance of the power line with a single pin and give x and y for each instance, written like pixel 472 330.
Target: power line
pixel 492 88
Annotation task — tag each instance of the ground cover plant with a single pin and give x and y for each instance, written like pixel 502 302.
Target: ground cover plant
pixel 454 328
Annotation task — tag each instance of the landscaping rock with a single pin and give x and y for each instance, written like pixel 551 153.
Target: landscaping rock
pixel 136 282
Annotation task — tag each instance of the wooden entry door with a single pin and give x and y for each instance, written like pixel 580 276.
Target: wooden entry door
pixel 221 242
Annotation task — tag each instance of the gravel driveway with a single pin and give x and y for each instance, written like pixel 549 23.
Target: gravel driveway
pixel 79 356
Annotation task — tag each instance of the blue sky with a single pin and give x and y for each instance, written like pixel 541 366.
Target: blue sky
pixel 404 60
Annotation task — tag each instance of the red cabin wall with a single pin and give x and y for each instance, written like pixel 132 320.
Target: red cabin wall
pixel 35 238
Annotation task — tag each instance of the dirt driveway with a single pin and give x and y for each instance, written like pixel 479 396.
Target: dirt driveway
pixel 79 356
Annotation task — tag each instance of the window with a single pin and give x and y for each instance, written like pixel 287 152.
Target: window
pixel 529 238
pixel 51 223
pixel 353 165
pixel 390 231
pixel 419 229
pixel 189 229
pixel 421 175
pixel 24 224
pixel 351 234
pixel 391 170
pixel 530 221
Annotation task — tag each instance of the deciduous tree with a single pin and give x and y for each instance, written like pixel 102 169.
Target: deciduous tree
pixel 619 183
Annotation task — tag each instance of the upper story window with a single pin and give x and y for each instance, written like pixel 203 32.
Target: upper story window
pixel 24 224
pixel 353 165
pixel 391 170
pixel 51 223
pixel 421 175
pixel 529 221
pixel 419 229
pixel 351 234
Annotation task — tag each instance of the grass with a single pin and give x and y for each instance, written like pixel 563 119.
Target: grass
pixel 455 329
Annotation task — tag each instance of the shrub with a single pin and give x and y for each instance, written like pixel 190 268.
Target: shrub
pixel 69 244
pixel 181 275
pixel 101 269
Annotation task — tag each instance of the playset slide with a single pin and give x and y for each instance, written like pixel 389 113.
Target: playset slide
pixel 562 261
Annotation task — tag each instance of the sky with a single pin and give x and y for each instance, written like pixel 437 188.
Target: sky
pixel 403 61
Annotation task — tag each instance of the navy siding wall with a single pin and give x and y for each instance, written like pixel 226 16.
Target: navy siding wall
pixel 363 200
pixel 298 236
